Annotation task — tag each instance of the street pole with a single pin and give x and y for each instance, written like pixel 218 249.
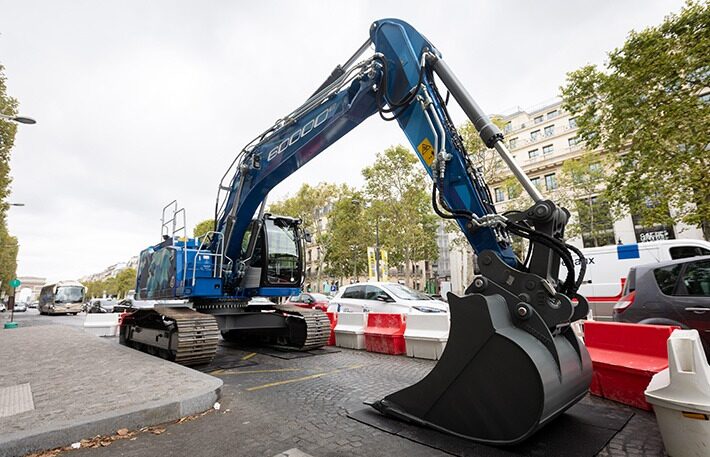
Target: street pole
pixel 377 248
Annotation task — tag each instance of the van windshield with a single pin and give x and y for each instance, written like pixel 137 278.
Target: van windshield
pixel 69 294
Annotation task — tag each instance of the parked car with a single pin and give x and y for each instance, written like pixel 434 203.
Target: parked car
pixel 2 307
pixel 101 305
pixel 309 300
pixel 33 304
pixel 131 304
pixel 675 292
pixel 20 307
pixel 607 267
pixel 384 297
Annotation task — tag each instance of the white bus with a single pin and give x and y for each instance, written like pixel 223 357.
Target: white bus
pixel 63 297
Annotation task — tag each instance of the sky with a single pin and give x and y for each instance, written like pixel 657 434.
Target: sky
pixel 141 103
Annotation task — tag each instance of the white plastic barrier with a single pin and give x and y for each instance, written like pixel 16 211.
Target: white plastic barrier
pixel 426 335
pixel 102 324
pixel 680 396
pixel 350 330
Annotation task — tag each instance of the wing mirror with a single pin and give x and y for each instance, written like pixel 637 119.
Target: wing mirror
pixel 383 297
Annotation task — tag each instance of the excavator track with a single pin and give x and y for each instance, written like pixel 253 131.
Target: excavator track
pixel 180 334
pixel 316 331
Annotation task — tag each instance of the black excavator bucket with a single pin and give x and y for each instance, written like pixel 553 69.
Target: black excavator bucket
pixel 495 383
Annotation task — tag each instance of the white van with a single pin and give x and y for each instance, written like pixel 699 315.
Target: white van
pixel 607 267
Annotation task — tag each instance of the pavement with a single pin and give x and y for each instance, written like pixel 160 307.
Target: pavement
pixel 283 404
pixel 59 384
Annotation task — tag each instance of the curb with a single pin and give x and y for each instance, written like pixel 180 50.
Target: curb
pixel 148 414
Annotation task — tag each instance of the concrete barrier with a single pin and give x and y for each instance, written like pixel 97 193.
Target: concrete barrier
pixel 102 324
pixel 350 330
pixel 426 335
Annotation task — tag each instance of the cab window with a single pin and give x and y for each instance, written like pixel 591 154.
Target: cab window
pixel 354 292
pixel 683 252
pixel 371 292
pixel 667 277
pixel 696 280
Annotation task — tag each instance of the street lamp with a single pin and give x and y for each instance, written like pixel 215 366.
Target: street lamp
pixel 18 119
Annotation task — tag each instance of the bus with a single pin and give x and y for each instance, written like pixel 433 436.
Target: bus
pixel 63 297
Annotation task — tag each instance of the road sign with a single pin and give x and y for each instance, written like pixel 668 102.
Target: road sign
pixel 15 283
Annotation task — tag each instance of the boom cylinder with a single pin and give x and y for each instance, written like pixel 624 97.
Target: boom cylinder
pixel 489 132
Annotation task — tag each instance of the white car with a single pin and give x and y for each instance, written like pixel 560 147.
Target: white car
pixel 384 297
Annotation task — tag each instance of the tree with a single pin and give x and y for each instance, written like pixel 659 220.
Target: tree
pixel 117 286
pixel 8 243
pixel 202 228
pixel 582 181
pixel 348 236
pixel 646 107
pixel 400 196
pixel 309 205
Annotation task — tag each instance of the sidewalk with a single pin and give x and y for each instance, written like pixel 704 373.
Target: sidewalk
pixel 59 385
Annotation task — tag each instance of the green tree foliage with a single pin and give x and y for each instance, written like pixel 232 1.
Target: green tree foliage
pixel 202 228
pixel 8 243
pixel 117 286
pixel 582 181
pixel 400 196
pixel 646 107
pixel 308 205
pixel 348 236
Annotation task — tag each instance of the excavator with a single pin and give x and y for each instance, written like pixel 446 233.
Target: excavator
pixel 512 362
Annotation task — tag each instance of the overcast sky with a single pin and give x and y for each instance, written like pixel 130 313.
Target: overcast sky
pixel 139 103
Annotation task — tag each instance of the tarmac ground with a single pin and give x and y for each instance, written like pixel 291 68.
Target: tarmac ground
pixel 295 404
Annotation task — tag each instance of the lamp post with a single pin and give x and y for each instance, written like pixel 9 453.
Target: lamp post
pixel 18 119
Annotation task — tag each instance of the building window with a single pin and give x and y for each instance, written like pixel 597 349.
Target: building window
pixel 547 149
pixel 538 119
pixel 573 122
pixel 596 166
pixel 536 182
pixel 705 97
pixel 532 154
pixel 551 182
pixel 550 130
pixel 513 142
pixel 552 114
pixel 534 134
pixel 572 141
pixel 653 232
pixel 514 191
pixel 595 222
pixel 500 196
pixel 508 127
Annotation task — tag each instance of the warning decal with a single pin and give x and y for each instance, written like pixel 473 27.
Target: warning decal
pixel 427 151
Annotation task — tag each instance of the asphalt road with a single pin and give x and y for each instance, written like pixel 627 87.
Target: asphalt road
pixel 31 318
pixel 271 404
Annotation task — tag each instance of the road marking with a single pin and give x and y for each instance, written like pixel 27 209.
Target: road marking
pixel 249 356
pixel 303 378
pixel 237 371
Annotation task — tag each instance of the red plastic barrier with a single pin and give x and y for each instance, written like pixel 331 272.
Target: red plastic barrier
pixel 333 318
pixel 385 333
pixel 625 357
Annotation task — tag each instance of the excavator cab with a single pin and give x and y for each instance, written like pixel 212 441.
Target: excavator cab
pixel 271 257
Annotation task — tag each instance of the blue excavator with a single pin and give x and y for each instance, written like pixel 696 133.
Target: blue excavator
pixel 512 362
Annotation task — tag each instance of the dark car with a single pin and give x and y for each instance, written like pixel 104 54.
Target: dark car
pixel 676 292
pixel 309 300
